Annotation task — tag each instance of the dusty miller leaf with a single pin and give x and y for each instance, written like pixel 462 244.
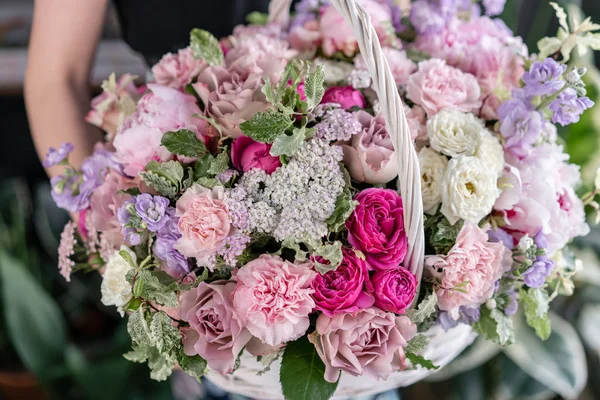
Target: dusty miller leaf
pixel 344 205
pixel 164 334
pixel 330 252
pixel 161 364
pixel 138 329
pixel 417 344
pixel 314 88
pixel 289 144
pixel 420 360
pixel 424 309
pixel 192 365
pixel 220 163
pixel 149 287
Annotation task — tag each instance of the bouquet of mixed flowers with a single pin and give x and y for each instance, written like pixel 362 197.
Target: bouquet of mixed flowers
pixel 245 202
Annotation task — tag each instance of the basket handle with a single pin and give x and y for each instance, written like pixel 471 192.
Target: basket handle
pixel 409 176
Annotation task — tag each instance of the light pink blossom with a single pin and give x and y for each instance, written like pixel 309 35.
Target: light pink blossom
pixel 177 70
pixel 400 65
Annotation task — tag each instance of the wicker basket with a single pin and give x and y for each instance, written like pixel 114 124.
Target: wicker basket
pixel 444 345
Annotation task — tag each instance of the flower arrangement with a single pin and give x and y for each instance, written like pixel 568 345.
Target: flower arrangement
pixel 245 201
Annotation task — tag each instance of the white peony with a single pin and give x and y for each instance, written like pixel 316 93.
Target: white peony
pixel 116 291
pixel 334 71
pixel 469 190
pixel 432 165
pixel 490 152
pixel 454 133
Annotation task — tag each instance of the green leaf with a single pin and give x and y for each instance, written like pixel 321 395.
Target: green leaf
pixel 344 205
pixel 150 288
pixel 164 334
pixel 192 365
pixel 184 142
pixel 264 127
pixel 208 182
pixel 126 255
pixel 289 243
pixel 442 235
pixel 138 328
pixel 161 365
pixel 131 191
pixel 495 326
pixel 417 344
pixel 314 88
pixel 206 47
pixel 138 354
pixel 289 144
pixel 257 18
pixel 166 177
pixel 302 373
pixel 159 183
pixel 202 166
pixel 420 360
pixel 561 15
pixel 424 309
pixel 219 164
pixel 535 306
pixel 330 252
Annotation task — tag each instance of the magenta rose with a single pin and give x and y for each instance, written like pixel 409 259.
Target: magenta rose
pixel 247 154
pixel 370 343
pixel 346 96
pixel 376 228
pixel 216 334
pixel 346 289
pixel 394 289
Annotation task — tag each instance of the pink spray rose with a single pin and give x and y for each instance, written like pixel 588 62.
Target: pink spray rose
pixel 370 342
pixel 394 289
pixel 273 298
pixel 247 154
pixel 177 70
pixel 345 289
pixel 216 333
pixel 399 63
pixel 436 86
pixel 473 264
pixel 203 222
pixel 376 228
pixel 369 155
pixel 346 96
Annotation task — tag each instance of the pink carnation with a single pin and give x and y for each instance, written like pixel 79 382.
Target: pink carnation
pixel 177 70
pixel 345 96
pixel 436 86
pixel 370 343
pixel 273 298
pixel 473 265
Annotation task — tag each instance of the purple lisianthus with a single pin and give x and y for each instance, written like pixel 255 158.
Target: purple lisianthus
pixel 536 275
pixel 567 107
pixel 431 16
pixel 467 315
pixel 499 235
pixel 512 305
pixel 152 210
pixel 174 263
pixel 132 237
pixel 55 157
pixel 493 7
pixel 67 195
pixel 521 128
pixel 544 78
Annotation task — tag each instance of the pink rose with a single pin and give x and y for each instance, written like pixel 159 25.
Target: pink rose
pixel 394 289
pixel 346 96
pixel 338 35
pixel 376 228
pixel 345 289
pixel 203 222
pixel 177 70
pixel 273 298
pixel 473 264
pixel 399 63
pixel 216 333
pixel 436 86
pixel 370 343
pixel 114 104
pixel 247 154
pixel 369 156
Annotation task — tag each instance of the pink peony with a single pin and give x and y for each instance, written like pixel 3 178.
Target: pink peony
pixel 216 333
pixel 473 264
pixel 436 86
pixel 203 222
pixel 247 154
pixel 137 146
pixel 177 70
pixel 345 96
pixel 376 228
pixel 399 63
pixel 370 156
pixel 273 298
pixel 345 289
pixel 370 343
pixel 394 289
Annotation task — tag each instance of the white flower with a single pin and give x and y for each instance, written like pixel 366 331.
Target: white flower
pixel 469 190
pixel 490 152
pixel 432 165
pixel 597 180
pixel 454 133
pixel 525 243
pixel 335 71
pixel 116 291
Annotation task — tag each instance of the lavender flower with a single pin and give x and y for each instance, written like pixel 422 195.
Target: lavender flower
pixel 65 250
pixel 466 316
pixel 500 235
pixel 226 176
pixel 493 7
pixel 233 247
pixel 55 157
pixel 536 275
pixel 337 125
pixel 359 79
pixel 567 107
pixel 521 128
pixel 511 307
pixel 544 78
pixel 431 16
pixel 152 210
pixel 174 262
pixel 124 216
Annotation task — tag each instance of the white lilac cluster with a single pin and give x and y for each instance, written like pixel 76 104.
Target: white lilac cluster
pixel 338 124
pixel 360 79
pixel 294 201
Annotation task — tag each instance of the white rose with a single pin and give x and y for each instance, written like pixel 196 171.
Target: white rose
pixel 454 133
pixel 432 165
pixel 116 291
pixel 335 71
pixel 469 190
pixel 490 152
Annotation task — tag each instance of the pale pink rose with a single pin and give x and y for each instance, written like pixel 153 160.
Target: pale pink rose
pixel 203 222
pixel 273 298
pixel 436 86
pixel 369 156
pixel 399 63
pixel 338 35
pixel 114 104
pixel 417 123
pixel 473 264
pixel 230 97
pixel 215 333
pixel 177 70
pixel 305 38
pixel 370 343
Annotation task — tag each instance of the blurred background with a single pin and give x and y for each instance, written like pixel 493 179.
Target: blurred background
pixel 58 341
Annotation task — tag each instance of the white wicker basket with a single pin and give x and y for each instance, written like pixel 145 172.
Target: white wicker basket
pixel 443 346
